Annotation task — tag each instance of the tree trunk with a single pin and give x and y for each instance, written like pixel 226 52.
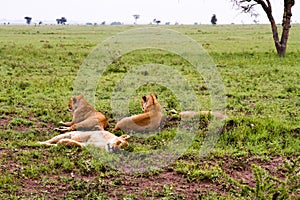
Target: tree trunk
pixel 286 24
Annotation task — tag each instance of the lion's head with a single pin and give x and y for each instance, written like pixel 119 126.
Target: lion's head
pixel 74 102
pixel 149 102
pixel 118 143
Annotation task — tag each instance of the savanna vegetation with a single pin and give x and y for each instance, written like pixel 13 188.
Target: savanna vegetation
pixel 255 157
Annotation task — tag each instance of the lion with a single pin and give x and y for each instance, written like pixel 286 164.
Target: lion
pixel 85 117
pixel 148 121
pixel 189 114
pixel 100 139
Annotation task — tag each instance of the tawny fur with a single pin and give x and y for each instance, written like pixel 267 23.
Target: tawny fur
pixel 85 117
pixel 100 139
pixel 148 121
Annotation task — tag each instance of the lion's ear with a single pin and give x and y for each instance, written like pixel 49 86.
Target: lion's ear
pixel 125 137
pixel 144 98
pixel 155 95
pixel 74 100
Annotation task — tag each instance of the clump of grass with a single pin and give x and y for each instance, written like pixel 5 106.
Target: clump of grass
pixel 20 121
pixel 196 173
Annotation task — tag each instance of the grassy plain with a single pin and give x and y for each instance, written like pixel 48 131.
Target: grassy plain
pixel 38 68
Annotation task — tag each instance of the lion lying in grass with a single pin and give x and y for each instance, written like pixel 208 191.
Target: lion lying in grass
pixel 100 139
pixel 85 117
pixel 188 114
pixel 148 121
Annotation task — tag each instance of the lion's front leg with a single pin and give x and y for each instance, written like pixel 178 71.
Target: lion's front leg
pixel 70 142
pixel 63 129
pixel 66 126
pixel 123 123
pixel 66 123
pixel 56 139
pixel 46 143
pixel 117 127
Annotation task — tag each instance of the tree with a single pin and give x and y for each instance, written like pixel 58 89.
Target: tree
pixel 28 20
pixel 136 17
pixel 156 21
pixel 247 6
pixel 213 19
pixel 62 20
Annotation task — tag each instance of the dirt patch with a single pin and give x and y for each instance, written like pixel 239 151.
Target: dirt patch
pixel 168 184
pixel 241 168
pixel 4 121
pixel 116 187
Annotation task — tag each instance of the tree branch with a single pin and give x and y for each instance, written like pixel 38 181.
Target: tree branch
pixel 247 6
pixel 266 7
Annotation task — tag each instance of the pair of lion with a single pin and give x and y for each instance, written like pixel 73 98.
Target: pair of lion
pixel 85 117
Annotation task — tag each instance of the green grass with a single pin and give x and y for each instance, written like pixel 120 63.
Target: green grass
pixel 39 66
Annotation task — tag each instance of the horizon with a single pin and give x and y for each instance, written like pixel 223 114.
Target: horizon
pixel 112 23
pixel 167 11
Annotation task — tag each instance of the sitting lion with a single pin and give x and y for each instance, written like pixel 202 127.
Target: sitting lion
pixel 148 121
pixel 101 139
pixel 85 117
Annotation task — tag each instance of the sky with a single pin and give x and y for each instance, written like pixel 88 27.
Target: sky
pixel 97 11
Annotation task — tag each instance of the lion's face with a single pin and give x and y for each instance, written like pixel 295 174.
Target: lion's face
pixel 70 104
pixel 119 143
pixel 148 102
pixel 74 101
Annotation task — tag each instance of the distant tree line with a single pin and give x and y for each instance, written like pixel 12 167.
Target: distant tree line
pixel 62 20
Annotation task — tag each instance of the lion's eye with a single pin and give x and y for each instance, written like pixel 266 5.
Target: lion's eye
pixel 118 143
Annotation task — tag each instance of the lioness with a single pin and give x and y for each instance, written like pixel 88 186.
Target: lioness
pixel 85 117
pixel 149 120
pixel 101 139
pixel 187 114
